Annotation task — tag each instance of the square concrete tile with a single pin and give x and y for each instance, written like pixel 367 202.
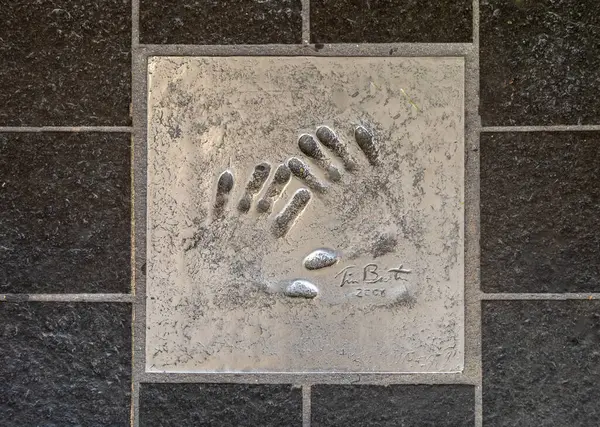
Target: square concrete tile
pixel 541 364
pixel 65 221
pixel 222 22
pixel 65 63
pixel 391 21
pixel 392 406
pixel 65 364
pixel 220 405
pixel 540 212
pixel 305 214
pixel 539 62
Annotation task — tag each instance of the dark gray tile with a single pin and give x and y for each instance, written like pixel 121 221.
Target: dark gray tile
pixel 540 212
pixel 391 406
pixel 65 62
pixel 220 22
pixel 220 405
pixel 539 62
pixel 358 21
pixel 541 363
pixel 65 218
pixel 65 364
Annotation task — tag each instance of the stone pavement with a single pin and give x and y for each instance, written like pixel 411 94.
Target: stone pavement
pixel 75 263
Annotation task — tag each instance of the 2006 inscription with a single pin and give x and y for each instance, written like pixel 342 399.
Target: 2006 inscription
pixel 367 292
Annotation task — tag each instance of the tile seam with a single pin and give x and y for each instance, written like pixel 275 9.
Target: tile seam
pixel 342 49
pixel 107 129
pixel 474 323
pixel 307 378
pixel 135 40
pixel 139 78
pixel 135 24
pixel 83 297
pixel 306 405
pixel 135 387
pixel 540 296
pixel 305 21
pixel 549 128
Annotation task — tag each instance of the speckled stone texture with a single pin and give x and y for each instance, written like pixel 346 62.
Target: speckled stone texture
pixel 65 217
pixel 65 364
pixel 539 62
pixel 541 363
pixel 376 21
pixel 392 406
pixel 540 212
pixel 220 22
pixel 220 405
pixel 65 62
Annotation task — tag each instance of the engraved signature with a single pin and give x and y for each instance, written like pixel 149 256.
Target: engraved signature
pixel 370 273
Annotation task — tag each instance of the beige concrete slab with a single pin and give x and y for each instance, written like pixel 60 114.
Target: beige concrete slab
pixel 305 214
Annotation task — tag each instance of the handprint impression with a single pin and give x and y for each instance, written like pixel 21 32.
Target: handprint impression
pixel 219 242
pixel 284 221
pixel 297 168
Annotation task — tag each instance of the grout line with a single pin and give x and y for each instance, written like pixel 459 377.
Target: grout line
pixel 473 330
pixel 121 129
pixel 67 297
pixel 306 405
pixel 135 167
pixel 135 387
pixel 134 409
pixel 541 296
pixel 135 403
pixel 305 21
pixel 139 85
pixel 363 49
pixel 479 404
pixel 472 323
pixel 430 378
pixel 135 24
pixel 554 128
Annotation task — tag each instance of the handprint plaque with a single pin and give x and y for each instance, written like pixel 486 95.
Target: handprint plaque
pixel 305 215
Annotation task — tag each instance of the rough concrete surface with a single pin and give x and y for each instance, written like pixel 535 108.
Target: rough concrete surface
pixel 220 405
pixel 218 269
pixel 222 22
pixel 541 364
pixel 65 216
pixel 65 63
pixel 416 21
pixel 65 364
pixel 392 406
pixel 540 212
